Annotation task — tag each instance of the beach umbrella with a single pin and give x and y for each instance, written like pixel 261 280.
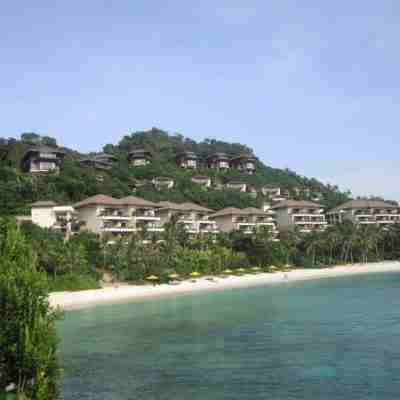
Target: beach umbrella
pixel 256 269
pixel 227 271
pixel 195 273
pixel 273 268
pixel 174 275
pixel 240 270
pixel 152 278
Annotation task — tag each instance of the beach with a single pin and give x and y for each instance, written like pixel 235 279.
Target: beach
pixel 122 292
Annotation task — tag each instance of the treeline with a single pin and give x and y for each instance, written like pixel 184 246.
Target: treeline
pixel 75 182
pixel 85 259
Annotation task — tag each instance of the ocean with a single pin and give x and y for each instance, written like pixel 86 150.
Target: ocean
pixel 330 339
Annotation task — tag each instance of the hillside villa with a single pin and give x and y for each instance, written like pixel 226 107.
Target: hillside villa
pixel 218 161
pixel 42 159
pixel 187 160
pixel 140 157
pixel 244 163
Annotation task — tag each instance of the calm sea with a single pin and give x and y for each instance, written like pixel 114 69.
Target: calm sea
pixel 330 339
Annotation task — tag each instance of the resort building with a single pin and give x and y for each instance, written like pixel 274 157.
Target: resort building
pixel 193 217
pixel 204 181
pixel 187 160
pixel 262 218
pixel 42 159
pixel 163 183
pixel 244 163
pixel 140 157
pixel 237 185
pixel 304 215
pixel 104 214
pixel 275 193
pixel 102 161
pixel 246 220
pixel 366 212
pixel 219 162
pixel 47 214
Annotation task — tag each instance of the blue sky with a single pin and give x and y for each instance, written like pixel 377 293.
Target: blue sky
pixel 310 85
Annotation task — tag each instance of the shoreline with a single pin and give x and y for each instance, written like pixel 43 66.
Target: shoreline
pixel 125 293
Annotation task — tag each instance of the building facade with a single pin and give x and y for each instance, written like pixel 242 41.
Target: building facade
pixel 187 160
pixel 306 216
pixel 42 159
pixel 366 212
pixel 245 163
pixel 219 162
pixel 140 157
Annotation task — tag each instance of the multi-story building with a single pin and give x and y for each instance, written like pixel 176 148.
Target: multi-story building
pixel 144 213
pixel 47 214
pixel 262 218
pixel 42 159
pixel 275 193
pixel 305 215
pixel 163 182
pixel 102 161
pixel 187 160
pixel 365 212
pixel 204 181
pixel 140 157
pixel 218 161
pixel 244 163
pixel 246 220
pixel 193 217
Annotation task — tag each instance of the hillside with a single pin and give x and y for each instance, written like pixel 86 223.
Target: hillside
pixel 75 182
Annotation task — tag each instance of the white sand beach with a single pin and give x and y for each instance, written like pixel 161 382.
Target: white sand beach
pixel 119 293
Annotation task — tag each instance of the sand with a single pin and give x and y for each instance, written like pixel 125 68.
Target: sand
pixel 113 294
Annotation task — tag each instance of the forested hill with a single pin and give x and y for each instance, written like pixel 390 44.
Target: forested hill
pixel 75 182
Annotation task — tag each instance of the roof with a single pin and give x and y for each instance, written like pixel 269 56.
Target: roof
pixel 188 154
pixel 195 207
pixel 169 205
pixel 163 178
pixel 44 149
pixel 254 211
pixel 235 182
pixel 249 157
pixel 297 204
pixel 104 155
pixel 219 155
pixel 138 151
pixel 99 199
pixel 201 177
pixel 228 211
pixel 364 204
pixel 137 201
pixel 44 204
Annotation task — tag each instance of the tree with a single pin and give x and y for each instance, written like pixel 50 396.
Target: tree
pixel 28 339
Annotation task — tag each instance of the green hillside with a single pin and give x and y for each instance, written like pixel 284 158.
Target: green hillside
pixel 75 182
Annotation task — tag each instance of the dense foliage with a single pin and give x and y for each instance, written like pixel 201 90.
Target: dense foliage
pixel 75 182
pixel 28 340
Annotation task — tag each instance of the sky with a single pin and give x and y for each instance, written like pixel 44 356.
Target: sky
pixel 310 85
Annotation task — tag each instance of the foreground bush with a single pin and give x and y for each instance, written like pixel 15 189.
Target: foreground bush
pixel 28 341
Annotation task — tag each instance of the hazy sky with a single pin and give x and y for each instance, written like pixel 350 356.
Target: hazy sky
pixel 311 85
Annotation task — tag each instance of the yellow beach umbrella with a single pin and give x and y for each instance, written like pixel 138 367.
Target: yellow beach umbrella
pixel 256 269
pixel 240 270
pixel 227 271
pixel 152 278
pixel 195 273
pixel 273 267
pixel 174 275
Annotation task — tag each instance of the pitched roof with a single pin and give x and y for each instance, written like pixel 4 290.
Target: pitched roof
pixel 99 199
pixel 137 201
pixel 195 207
pixel 296 204
pixel 169 205
pixel 254 211
pixel 244 156
pixel 201 177
pixel 44 149
pixel 364 204
pixel 44 204
pixel 228 211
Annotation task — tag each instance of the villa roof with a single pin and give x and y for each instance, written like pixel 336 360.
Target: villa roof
pixel 236 182
pixel 196 207
pixel 244 156
pixel 254 211
pixel 188 154
pixel 169 205
pixel 364 204
pixel 44 149
pixel 297 204
pixel 99 199
pixel 139 151
pixel 137 201
pixel 201 177
pixel 228 211
pixel 163 178
pixel 219 155
pixel 44 203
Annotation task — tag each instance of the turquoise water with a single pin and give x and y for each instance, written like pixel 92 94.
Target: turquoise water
pixel 336 338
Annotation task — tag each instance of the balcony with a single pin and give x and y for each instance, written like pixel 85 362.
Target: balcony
pixel 146 215
pixel 149 226
pixel 114 214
